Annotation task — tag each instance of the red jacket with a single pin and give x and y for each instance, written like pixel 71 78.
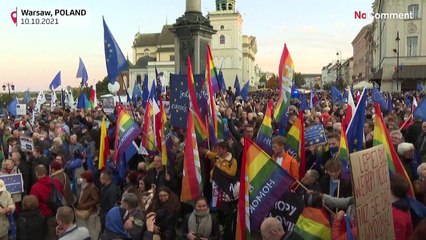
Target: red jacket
pixel 42 189
pixel 403 227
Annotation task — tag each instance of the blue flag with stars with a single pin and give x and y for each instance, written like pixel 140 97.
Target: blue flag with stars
pixel 315 135
pixel 115 60
pixel 355 131
pixel 179 100
pixel 13 182
pixel 145 91
pixel 56 82
pixel 82 73
pixel 11 107
pixel 237 86
pixel 245 91
pixel 419 87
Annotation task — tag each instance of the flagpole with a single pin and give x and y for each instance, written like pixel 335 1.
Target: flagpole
pixel 144 135
pixel 125 88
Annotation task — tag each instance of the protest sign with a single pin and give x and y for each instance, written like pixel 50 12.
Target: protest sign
pixel 13 182
pixel 371 188
pixel 315 135
pixel 26 143
pixel 21 109
pixel 288 209
pixel 108 104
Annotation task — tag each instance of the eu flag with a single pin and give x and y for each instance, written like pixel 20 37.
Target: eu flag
pixel 11 107
pixel 115 60
pixel 237 86
pixel 245 91
pixel 222 84
pixel 83 101
pixel 27 97
pixel 336 95
pixel 56 82
pixel 82 73
pixel 420 111
pixel 378 98
pixel 145 91
pixel 419 87
pixel 355 131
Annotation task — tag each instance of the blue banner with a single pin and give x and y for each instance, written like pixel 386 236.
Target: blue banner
pixel 315 135
pixel 13 182
pixel 179 99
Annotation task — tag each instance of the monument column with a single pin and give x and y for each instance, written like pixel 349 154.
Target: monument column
pixel 192 34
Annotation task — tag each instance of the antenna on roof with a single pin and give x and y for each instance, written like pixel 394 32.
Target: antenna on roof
pixel 166 20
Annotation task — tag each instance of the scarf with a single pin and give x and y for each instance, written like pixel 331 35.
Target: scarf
pixel 200 223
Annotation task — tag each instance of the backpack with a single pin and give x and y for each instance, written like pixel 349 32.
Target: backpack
pixel 55 199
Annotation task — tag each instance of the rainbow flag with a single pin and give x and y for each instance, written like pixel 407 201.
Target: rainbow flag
pixel 285 81
pixel 263 182
pixel 198 119
pixel 381 136
pixel 264 137
pixel 212 71
pixel 93 101
pixel 211 105
pixel 165 128
pixel 148 135
pixel 344 153
pixel 191 179
pixel 295 143
pixel 126 131
pixel 104 146
pixel 313 224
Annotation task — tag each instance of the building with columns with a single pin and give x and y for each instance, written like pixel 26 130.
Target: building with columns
pixel 233 52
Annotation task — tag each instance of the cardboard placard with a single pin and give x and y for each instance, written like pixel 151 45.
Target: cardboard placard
pixel 26 143
pixel 371 185
pixel 21 109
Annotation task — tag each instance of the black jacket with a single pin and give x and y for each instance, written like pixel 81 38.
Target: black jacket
pixel 31 226
pixel 108 198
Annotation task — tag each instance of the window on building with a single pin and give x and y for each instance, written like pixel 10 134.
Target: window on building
pixel 230 6
pixel 222 39
pixel 172 57
pixel 138 80
pixel 224 6
pixel 414 8
pixel 146 52
pixel 412 43
pixel 222 27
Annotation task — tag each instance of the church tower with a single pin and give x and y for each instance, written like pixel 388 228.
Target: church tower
pixel 227 43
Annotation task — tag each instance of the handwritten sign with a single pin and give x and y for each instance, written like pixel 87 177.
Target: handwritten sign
pixel 370 179
pixel 108 104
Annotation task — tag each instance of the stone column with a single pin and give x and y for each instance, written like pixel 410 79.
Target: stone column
pixel 193 6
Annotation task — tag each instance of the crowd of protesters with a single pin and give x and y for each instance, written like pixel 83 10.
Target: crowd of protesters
pixel 97 204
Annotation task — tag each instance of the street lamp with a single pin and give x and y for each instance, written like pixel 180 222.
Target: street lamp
pixel 338 66
pixel 397 59
pixel 9 87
